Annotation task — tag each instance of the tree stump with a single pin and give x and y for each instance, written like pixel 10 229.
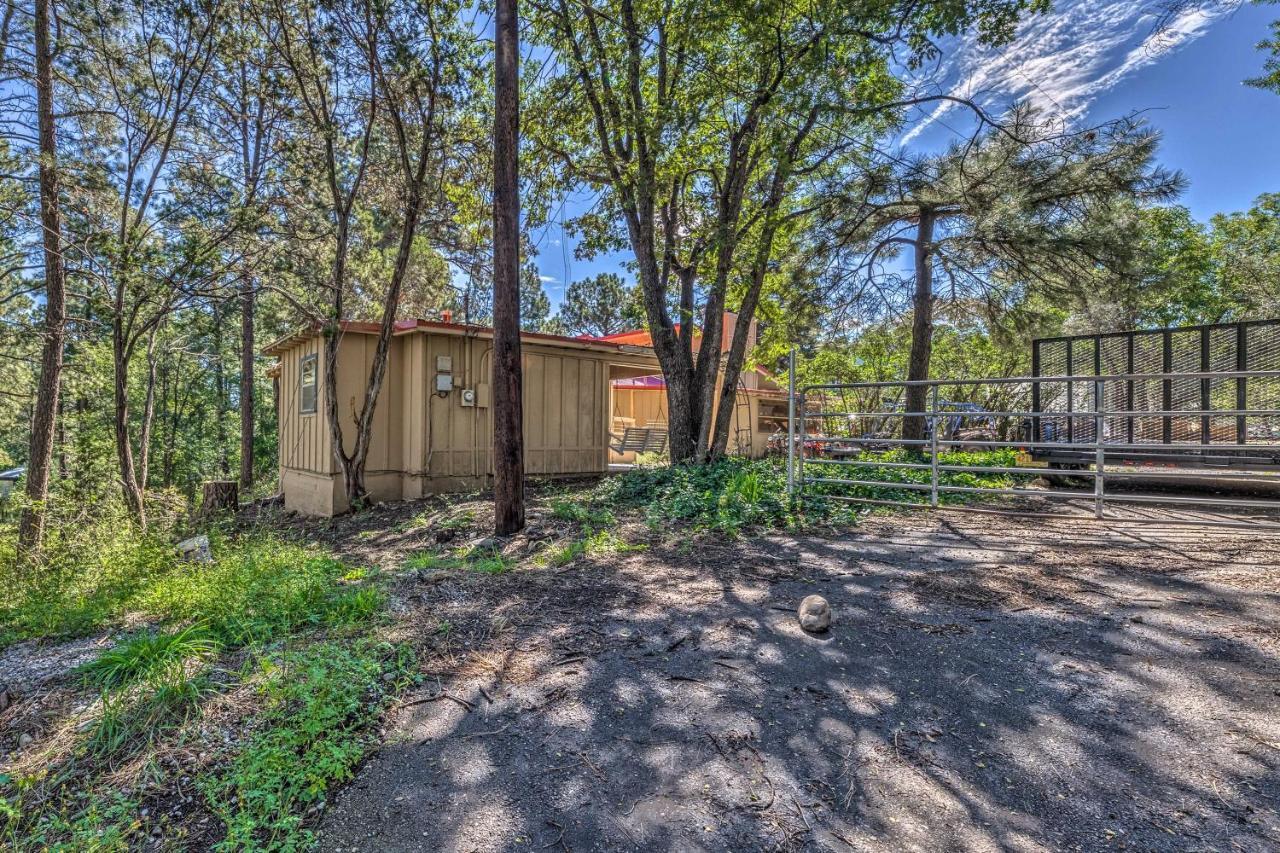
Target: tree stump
pixel 219 495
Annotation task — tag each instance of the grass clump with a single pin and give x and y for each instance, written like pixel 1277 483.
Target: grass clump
pixel 569 510
pixel 311 733
pixel 591 545
pixel 489 561
pixel 257 589
pixel 154 657
pixel 258 586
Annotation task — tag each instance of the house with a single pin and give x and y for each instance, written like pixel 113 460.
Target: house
pixel 432 431
pixel 760 406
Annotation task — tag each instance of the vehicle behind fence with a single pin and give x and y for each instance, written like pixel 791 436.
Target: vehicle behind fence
pixel 1056 444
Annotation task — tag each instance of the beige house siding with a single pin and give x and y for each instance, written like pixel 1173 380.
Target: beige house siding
pixel 304 439
pixel 423 442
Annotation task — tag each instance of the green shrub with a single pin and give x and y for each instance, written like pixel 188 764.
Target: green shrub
pixel 726 496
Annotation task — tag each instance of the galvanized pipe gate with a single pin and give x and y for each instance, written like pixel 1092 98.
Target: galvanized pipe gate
pixel 986 440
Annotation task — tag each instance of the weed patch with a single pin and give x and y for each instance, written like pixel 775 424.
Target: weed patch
pixel 569 510
pixel 590 545
pixel 309 737
pixel 486 560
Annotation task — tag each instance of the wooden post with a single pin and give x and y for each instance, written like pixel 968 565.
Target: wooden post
pixel 508 421
pixel 219 495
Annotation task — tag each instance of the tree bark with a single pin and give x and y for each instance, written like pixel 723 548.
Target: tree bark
pixel 220 396
pixel 40 457
pixel 218 496
pixel 508 416
pixel 148 414
pixel 246 381
pixel 129 487
pixel 917 396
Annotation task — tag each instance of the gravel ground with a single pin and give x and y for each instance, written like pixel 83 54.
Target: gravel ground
pixel 988 684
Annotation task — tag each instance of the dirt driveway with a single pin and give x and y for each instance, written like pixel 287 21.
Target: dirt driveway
pixel 988 684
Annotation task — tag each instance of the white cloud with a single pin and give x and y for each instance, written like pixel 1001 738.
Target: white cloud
pixel 1063 61
pixel 547 278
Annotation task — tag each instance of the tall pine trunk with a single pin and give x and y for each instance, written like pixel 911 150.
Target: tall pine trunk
pixel 508 417
pixel 40 458
pixel 129 486
pixel 246 381
pixel 917 396
pixel 220 397
pixel 148 414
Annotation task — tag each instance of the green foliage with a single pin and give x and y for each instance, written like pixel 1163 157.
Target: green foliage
pixel 733 495
pixel 725 496
pixel 311 734
pixel 595 544
pixel 89 574
pixel 488 561
pixel 98 824
pixel 1269 79
pixel 962 348
pixel 257 588
pixel 568 510
pixel 150 656
pixel 601 305
pixel 1002 457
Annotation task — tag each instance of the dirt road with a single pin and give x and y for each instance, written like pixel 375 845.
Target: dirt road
pixel 988 684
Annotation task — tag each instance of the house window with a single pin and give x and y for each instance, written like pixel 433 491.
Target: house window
pixel 307 384
pixel 772 417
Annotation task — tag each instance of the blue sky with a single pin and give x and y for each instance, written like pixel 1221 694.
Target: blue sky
pixel 1088 61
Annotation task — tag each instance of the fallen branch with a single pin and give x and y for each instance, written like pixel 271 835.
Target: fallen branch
pixel 432 698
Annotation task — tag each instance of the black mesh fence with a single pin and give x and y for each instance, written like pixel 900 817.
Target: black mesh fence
pixel 1251 346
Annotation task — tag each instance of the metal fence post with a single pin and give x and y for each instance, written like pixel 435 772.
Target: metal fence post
pixel 800 424
pixel 933 448
pixel 1100 458
pixel 791 423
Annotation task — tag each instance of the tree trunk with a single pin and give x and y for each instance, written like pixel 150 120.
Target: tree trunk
pixel 917 396
pixel 737 354
pixel 40 456
pixel 148 414
pixel 246 381
pixel 124 447
pixel 220 396
pixel 508 417
pixel 63 468
pixel 218 496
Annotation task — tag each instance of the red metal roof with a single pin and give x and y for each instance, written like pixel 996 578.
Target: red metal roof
pixel 402 327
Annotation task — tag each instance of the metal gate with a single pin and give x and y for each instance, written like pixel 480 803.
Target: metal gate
pixel 986 446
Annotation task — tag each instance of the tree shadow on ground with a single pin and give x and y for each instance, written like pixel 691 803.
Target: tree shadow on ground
pixel 988 684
